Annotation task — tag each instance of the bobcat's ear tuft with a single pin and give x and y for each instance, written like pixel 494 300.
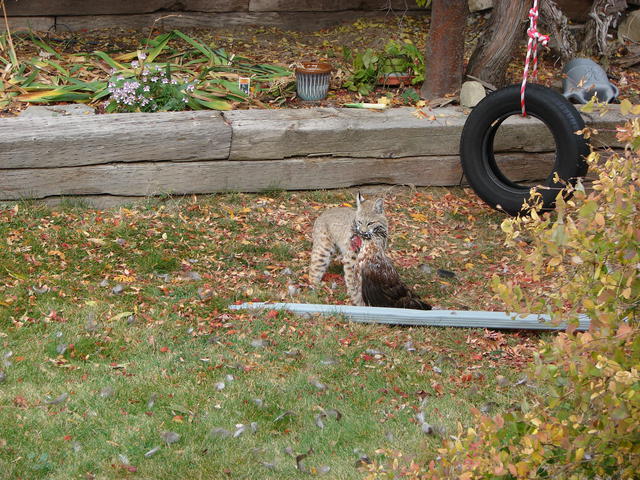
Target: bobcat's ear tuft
pixel 359 199
pixel 378 207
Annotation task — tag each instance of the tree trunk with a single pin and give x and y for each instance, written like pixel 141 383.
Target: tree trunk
pixel 494 51
pixel 591 39
pixel 603 14
pixel 556 25
pixel 445 48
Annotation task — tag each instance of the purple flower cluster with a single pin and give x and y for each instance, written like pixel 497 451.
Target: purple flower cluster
pixel 129 93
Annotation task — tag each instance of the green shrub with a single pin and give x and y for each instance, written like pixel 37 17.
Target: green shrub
pixel 369 66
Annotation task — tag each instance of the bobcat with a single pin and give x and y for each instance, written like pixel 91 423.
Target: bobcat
pixel 334 229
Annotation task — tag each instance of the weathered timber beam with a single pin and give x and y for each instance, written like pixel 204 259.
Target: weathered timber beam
pixel 119 7
pixel 393 133
pixel 40 142
pixel 181 178
pixel 301 21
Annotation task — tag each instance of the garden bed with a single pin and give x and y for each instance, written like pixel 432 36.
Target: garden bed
pixel 58 56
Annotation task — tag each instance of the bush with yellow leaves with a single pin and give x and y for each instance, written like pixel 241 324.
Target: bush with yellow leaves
pixel 589 255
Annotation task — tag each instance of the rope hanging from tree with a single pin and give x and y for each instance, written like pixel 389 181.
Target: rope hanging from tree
pixel 535 37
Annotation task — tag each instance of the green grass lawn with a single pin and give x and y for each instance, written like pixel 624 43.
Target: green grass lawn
pixel 115 337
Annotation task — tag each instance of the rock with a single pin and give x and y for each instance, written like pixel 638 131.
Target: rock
pixel 479 5
pixel 55 401
pixel 240 429
pixel 107 392
pixel 152 452
pixel 191 275
pixel 426 429
pixel 408 346
pixel 170 437
pixel 152 400
pixel 259 343
pixel 40 290
pixel 374 352
pixel 318 384
pixel 91 325
pixel 205 293
pixel 471 93
pixel 165 277
pixel 424 268
pixel 283 415
pixel 328 361
pixel 488 407
pixel 219 432
pixel 629 29
pixel 362 461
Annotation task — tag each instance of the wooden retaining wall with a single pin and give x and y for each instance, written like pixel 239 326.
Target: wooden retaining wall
pixel 289 14
pixel 49 152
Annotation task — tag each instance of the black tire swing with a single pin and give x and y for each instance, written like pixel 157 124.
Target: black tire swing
pixel 477 152
pixel 561 118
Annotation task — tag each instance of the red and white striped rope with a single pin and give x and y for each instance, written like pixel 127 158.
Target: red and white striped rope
pixel 535 37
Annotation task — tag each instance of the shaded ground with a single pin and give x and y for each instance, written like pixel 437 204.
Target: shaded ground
pixel 271 45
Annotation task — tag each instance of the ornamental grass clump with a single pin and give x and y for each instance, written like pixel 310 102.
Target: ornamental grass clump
pixel 169 72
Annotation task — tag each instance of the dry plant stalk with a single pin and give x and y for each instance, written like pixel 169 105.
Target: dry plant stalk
pixel 12 50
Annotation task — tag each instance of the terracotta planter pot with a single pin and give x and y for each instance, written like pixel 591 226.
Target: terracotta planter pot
pixel 312 80
pixel 395 79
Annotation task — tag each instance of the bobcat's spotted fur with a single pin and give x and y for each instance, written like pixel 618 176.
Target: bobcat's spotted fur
pixel 333 231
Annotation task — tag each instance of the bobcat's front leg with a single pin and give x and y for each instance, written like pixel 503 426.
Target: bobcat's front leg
pixel 352 279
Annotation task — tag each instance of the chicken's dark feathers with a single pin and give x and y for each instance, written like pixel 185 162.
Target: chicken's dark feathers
pixel 381 283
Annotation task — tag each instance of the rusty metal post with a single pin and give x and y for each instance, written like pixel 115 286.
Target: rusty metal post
pixel 445 48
